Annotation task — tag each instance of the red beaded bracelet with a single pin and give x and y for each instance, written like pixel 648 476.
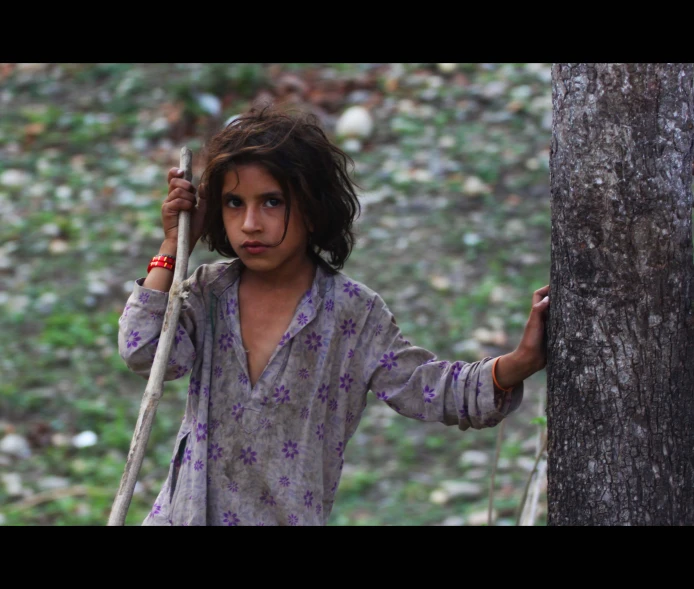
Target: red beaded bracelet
pixel 162 261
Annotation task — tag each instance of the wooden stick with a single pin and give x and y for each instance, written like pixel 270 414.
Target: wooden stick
pixel 519 512
pixel 499 441
pixel 155 384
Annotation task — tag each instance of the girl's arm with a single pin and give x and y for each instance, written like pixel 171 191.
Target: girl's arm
pixel 413 382
pixel 141 322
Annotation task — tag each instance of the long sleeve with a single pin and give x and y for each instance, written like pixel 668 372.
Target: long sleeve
pixel 414 383
pixel 140 327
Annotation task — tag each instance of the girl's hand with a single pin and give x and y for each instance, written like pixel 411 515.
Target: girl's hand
pixel 181 197
pixel 530 356
pixel 533 347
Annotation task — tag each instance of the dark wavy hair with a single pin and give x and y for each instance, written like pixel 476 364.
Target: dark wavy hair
pixel 305 163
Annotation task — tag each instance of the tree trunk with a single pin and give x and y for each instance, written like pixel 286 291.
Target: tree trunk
pixel 621 329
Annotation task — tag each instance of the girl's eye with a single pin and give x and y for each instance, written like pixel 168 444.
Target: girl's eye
pixel 234 202
pixel 273 202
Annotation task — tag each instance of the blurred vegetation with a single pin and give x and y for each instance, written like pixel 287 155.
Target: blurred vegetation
pixel 454 235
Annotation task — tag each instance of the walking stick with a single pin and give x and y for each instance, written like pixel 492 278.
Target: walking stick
pixel 155 384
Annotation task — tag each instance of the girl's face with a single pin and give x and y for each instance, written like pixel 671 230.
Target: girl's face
pixel 253 210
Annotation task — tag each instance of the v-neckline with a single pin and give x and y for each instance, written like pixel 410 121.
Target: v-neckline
pixel 307 306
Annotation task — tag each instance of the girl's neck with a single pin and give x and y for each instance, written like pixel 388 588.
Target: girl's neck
pixel 290 278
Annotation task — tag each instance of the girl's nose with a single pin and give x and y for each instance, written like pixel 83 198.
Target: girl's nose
pixel 251 221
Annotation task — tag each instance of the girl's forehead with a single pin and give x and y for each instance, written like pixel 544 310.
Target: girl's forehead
pixel 249 178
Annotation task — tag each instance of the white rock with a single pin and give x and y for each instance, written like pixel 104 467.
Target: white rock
pixel 454 520
pixel 60 440
pixel 471 239
pixel 15 445
pixel 446 68
pixel 474 186
pixel 84 439
pixel 356 122
pixel 47 483
pixel 461 489
pixel 477 474
pixel 438 497
pixel 470 346
pixel 351 145
pixel 58 246
pixel 14 178
pixel 480 518
pixel 474 458
pixel 440 282
pixel 210 104
pixel 50 229
pixel 13 484
pixel 63 192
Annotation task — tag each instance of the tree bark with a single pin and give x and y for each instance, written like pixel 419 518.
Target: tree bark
pixel 620 367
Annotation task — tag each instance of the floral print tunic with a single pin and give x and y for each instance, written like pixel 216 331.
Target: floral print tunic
pixel 272 454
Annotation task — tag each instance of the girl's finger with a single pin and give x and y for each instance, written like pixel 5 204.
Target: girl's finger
pixel 174 173
pixel 539 294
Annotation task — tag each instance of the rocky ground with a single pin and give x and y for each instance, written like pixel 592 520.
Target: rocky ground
pixel 454 234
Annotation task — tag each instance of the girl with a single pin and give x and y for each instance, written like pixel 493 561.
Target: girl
pixel 281 346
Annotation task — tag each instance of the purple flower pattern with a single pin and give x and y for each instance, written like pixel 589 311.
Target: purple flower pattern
pixel 267 499
pixel 346 381
pixel 281 395
pixel 308 498
pixel 133 339
pixel 290 449
pixel 214 452
pixel 237 412
pixel 348 328
pixel 351 289
pixel 225 341
pixel 313 341
pixel 248 456
pixel 231 519
pixel 428 394
pixel 194 386
pixel 389 360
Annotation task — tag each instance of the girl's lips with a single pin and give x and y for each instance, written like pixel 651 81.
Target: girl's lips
pixel 255 249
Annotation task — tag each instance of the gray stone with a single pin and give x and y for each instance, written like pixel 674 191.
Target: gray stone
pixel 15 445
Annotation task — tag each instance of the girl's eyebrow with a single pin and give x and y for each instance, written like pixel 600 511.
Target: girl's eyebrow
pixel 262 195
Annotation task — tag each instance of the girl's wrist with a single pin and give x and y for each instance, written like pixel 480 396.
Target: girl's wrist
pixel 512 369
pixel 168 247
